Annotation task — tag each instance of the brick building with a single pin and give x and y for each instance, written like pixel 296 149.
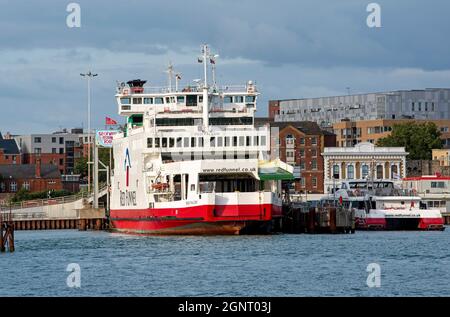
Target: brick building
pixel 33 177
pixel 9 151
pixel 300 144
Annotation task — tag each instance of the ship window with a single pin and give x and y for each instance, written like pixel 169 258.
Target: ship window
pixel 164 142
pixel 159 101
pixel 248 141
pixel 191 100
pixel 180 99
pixel 219 141
pixel 179 142
pixel 255 141
pixel 227 141
pixel 186 142
pixel 241 141
pixel 193 142
pixel 157 142
pixel 192 187
pixel 125 101
pixel 235 143
pixel 148 101
pixel 249 99
pixel 167 100
pixel 171 142
pixel 228 99
pixel 200 98
pixel 238 99
pixel 149 142
pixel 137 101
pixel 212 141
pixel 263 140
pixel 200 141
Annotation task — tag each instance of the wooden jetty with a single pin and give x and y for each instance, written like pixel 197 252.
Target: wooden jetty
pixel 6 232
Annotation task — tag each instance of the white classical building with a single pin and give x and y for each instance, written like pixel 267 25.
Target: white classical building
pixel 363 161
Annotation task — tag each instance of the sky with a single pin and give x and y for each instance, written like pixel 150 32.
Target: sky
pixel 289 48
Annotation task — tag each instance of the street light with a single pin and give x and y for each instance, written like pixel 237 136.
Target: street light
pixel 89 75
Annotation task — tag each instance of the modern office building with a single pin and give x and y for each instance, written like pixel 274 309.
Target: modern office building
pixel 425 104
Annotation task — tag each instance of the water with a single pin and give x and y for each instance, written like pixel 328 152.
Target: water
pixel 412 264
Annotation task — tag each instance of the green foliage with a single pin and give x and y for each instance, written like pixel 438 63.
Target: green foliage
pixel 81 164
pixel 24 194
pixel 417 138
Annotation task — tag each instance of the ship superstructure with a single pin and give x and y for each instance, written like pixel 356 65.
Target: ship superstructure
pixel 190 160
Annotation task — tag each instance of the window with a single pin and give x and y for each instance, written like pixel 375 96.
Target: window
pixel 249 99
pixel 302 141
pixel 148 101
pixel 212 141
pixel 394 172
pixel 314 182
pixel 263 140
pixel 412 106
pixel 313 152
pixel 336 171
pixel 313 141
pixel 164 142
pixel 302 182
pixel 426 106
pixel 53 150
pixel 125 101
pixel 37 140
pixel 61 140
pixel 149 142
pixel 227 141
pixel 350 172
pixel 61 151
pixel 200 141
pixel 171 142
pixel 238 99
pixel 241 141
pixel 302 165
pixel 379 172
pixel 302 152
pixel 437 185
pixel 26 185
pixel 179 142
pixel 193 140
pixel 37 150
pixel 228 99
pixel 53 140
pixel 61 161
pixel 219 141
pixel 290 139
pixel 290 153
pixel 432 106
pixel 235 141
pixel 314 164
pixel 159 101
pixel 137 101
pixel 420 106
pixel 157 142
pixel 180 99
pixel 186 142
pixel 13 186
pixel 248 141
pixel 365 171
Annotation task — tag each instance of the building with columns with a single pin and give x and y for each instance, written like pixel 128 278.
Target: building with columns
pixel 363 161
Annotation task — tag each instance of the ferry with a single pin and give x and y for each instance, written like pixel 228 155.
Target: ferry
pixel 191 160
pixel 380 205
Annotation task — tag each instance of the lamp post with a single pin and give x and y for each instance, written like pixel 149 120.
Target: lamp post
pixel 89 75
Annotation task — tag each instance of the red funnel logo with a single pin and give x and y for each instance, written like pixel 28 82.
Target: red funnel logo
pixel 127 166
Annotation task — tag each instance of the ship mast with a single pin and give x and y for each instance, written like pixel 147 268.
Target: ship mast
pixel 205 52
pixel 169 71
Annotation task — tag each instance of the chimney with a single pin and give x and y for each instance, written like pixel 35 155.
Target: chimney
pixel 38 168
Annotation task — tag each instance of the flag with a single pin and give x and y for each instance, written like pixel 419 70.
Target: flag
pixel 200 60
pixel 212 61
pixel 178 76
pixel 109 121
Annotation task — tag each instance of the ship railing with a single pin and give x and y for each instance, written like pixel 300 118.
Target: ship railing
pixel 198 88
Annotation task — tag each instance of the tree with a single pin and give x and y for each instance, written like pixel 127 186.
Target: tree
pixel 81 164
pixel 417 138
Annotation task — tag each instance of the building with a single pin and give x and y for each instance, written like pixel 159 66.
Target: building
pixel 425 104
pixel 348 133
pixel 364 161
pixel 433 189
pixel 60 148
pixel 9 152
pixel 300 144
pixel 32 177
pixel 441 155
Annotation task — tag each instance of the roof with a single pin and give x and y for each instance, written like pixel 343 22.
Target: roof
pixel 27 171
pixel 307 127
pixel 427 178
pixel 9 146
